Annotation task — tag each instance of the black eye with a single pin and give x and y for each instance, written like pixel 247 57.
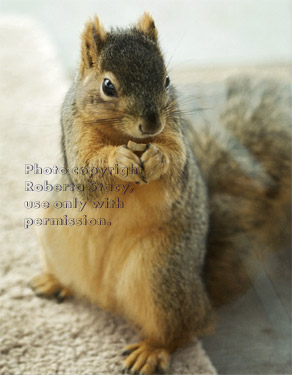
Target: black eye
pixel 108 88
pixel 167 83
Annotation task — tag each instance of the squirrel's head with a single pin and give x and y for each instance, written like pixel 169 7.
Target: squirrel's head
pixel 123 82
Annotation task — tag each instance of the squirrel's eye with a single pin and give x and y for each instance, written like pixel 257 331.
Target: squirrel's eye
pixel 108 88
pixel 167 83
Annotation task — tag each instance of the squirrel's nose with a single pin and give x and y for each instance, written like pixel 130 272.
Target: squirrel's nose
pixel 150 124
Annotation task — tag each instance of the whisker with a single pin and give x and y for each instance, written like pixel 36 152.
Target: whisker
pixel 104 122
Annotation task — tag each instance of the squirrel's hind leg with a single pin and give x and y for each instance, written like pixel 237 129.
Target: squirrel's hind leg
pixel 143 358
pixel 46 285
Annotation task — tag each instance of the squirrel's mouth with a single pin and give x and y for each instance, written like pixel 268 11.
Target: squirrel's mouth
pixel 149 133
pixel 137 133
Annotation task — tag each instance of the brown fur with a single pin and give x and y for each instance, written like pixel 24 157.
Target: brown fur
pixel 250 195
pixel 149 264
pixel 89 47
pixel 147 26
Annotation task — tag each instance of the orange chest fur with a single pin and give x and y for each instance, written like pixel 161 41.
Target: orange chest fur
pixel 104 262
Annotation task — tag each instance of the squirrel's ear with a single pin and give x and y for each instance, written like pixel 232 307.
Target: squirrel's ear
pixel 147 26
pixel 92 41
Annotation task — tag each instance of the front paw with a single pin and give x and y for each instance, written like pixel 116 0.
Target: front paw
pixel 126 165
pixel 154 162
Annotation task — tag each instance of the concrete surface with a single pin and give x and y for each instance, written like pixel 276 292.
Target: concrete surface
pixel 253 334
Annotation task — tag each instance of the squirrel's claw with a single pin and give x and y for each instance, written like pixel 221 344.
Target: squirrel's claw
pixel 47 286
pixel 155 162
pixel 143 359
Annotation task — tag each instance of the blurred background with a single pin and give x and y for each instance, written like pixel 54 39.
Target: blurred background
pixel 192 32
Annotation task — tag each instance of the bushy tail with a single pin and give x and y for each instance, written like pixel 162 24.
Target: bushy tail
pixel 244 152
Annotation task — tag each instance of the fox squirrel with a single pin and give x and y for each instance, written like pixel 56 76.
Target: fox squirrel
pixel 201 195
